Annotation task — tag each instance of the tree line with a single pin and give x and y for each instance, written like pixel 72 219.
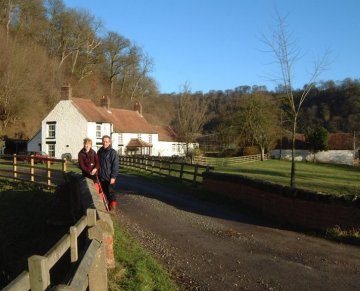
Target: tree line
pixel 46 44
pixel 253 115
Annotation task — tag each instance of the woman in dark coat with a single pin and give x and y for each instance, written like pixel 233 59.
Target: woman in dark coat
pixel 88 160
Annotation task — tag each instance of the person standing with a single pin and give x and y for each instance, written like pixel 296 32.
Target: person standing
pixel 88 160
pixel 109 169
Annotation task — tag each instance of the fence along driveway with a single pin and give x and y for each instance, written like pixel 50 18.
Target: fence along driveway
pixel 49 173
pixel 38 276
pixel 217 162
pixel 183 171
pixel 91 270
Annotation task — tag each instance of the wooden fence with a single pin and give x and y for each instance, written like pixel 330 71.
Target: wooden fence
pixel 183 171
pixel 221 162
pixel 38 276
pixel 21 167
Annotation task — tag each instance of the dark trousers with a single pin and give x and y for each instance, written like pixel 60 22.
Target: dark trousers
pixel 105 185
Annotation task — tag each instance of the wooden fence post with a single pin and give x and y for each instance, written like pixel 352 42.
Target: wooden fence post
pixel 181 171
pixel 38 273
pixel 14 166
pixel 91 217
pixel 48 173
pixel 64 166
pixel 195 172
pixel 170 168
pixel 32 169
pixel 73 244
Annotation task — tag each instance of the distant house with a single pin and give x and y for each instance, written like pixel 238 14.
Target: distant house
pixel 72 119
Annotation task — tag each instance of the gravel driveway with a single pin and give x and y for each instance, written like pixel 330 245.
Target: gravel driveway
pixel 211 247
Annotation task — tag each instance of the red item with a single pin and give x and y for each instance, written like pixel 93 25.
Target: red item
pixel 113 204
pixel 101 193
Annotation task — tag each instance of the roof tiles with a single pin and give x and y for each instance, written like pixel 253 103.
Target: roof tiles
pixel 124 121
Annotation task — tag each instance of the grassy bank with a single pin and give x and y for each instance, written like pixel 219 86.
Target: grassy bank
pixel 135 269
pixel 24 232
pixel 325 178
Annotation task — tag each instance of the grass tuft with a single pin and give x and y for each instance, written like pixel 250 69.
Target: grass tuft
pixel 136 269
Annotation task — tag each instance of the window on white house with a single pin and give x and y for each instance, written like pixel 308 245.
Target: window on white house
pixel 150 138
pixel 139 135
pixel 51 129
pixel 51 150
pixel 98 130
pixel 120 139
pixel 173 148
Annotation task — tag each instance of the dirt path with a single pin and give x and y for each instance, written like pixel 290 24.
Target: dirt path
pixel 209 247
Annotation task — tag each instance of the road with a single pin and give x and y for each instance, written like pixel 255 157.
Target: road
pixel 208 246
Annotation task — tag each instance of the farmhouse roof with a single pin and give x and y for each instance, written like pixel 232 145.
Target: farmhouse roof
pixel 166 133
pixel 124 121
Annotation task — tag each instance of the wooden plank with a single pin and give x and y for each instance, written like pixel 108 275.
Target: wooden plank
pixel 20 283
pixel 81 279
pixel 58 250
pixel 81 224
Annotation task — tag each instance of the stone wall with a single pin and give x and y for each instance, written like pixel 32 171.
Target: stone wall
pixel 299 208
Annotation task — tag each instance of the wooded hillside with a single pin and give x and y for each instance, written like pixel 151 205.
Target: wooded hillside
pixel 45 44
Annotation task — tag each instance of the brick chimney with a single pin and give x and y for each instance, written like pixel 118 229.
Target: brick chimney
pixel 105 102
pixel 138 107
pixel 65 92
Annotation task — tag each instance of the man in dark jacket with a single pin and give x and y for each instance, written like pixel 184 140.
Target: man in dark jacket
pixel 109 169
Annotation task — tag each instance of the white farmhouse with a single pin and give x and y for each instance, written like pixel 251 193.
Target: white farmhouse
pixel 72 119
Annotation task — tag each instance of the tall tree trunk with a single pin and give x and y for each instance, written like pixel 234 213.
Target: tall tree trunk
pixel 262 153
pixel 292 175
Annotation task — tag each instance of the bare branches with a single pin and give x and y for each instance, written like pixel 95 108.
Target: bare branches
pixel 286 54
pixel 190 114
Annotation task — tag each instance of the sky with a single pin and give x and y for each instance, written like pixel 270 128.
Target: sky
pixel 218 44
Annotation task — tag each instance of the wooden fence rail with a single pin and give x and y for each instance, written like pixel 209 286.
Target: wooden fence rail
pixel 38 276
pixel 23 168
pixel 183 171
pixel 221 162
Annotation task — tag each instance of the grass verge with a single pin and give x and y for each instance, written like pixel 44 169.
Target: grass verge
pixel 136 269
pixel 324 178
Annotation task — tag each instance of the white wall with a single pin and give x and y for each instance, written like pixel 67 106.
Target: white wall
pixel 106 129
pixel 333 156
pixel 172 148
pixel 33 144
pixel 71 129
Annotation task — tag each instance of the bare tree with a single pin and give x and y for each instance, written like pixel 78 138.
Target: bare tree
pixel 190 115
pixel 286 54
pixel 116 50
pixel 71 37
pixel 23 84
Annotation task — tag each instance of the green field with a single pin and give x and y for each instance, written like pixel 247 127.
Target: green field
pixel 325 178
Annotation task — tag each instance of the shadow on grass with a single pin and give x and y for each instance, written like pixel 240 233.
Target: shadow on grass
pixel 23 228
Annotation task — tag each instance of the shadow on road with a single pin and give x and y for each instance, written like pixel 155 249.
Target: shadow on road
pixel 190 199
